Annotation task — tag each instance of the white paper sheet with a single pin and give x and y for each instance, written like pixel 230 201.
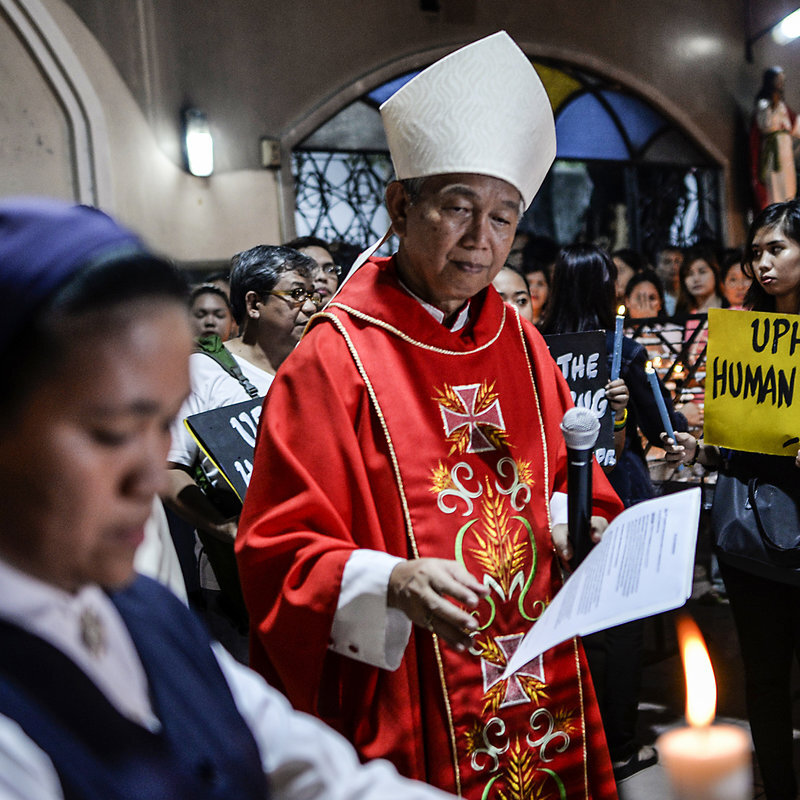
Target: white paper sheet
pixel 644 565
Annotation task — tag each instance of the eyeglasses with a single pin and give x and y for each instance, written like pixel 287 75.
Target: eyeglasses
pixel 330 269
pixel 298 296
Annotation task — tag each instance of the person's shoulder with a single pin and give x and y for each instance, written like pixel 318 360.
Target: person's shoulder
pixel 147 592
pixel 322 356
pixel 147 604
pixel 325 337
pixel 632 349
pixel 203 368
pixel 254 373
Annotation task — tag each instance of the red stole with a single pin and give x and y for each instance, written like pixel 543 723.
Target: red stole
pixel 474 476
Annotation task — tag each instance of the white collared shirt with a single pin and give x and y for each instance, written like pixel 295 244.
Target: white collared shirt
pixel 439 315
pixel 301 756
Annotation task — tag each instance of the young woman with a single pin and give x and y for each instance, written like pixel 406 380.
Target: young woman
pixel 538 280
pixel 765 601
pixel 700 283
pixel 109 686
pixel 583 299
pixel 644 296
pixel 511 286
pixel 735 283
pixel 210 312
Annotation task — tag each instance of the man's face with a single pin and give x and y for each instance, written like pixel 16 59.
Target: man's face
pixel 455 237
pixel 282 319
pixel 85 455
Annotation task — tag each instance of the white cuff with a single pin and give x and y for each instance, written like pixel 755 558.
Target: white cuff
pixel 558 508
pixel 364 627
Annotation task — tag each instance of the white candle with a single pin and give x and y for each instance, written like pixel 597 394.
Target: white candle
pixel 616 358
pixel 659 398
pixel 704 761
pixel 707 763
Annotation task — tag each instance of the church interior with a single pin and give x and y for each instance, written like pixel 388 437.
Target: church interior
pixel 653 103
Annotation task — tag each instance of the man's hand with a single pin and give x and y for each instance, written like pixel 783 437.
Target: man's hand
pixel 561 537
pixel 418 588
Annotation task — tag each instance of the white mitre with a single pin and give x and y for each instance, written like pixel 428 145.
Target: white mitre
pixel 481 109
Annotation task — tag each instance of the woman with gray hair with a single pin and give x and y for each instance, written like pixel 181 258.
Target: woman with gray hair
pixel 272 299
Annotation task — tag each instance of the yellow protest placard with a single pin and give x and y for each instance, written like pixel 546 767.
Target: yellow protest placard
pixel 752 392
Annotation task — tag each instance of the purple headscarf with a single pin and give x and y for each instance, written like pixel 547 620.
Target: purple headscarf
pixel 42 244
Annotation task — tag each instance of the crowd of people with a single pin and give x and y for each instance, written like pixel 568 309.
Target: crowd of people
pixel 405 519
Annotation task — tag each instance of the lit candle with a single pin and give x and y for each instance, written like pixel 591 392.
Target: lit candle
pixel 662 408
pixel 616 359
pixel 704 761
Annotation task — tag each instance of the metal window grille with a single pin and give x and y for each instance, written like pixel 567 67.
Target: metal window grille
pixel 340 196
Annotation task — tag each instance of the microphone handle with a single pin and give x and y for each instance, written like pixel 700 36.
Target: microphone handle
pixel 579 503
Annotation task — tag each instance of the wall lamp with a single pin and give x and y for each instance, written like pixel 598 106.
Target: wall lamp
pixel 198 146
pixel 783 32
pixel 788 28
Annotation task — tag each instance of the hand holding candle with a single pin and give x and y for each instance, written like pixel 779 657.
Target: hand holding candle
pixel 659 398
pixel 616 358
pixel 704 761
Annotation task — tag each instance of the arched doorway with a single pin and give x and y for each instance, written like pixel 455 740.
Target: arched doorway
pixel 64 150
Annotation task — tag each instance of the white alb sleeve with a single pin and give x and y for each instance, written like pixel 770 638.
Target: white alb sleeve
pixel 364 627
pixel 558 508
pixel 303 758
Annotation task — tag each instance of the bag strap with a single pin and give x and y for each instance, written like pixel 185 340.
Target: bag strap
pixel 213 347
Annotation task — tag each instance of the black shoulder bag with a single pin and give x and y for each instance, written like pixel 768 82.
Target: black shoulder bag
pixel 219 553
pixel 755 517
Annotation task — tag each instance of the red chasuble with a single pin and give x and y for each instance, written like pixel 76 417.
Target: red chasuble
pixel 386 431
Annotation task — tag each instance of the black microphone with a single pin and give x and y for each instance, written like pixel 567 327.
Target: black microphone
pixel 580 427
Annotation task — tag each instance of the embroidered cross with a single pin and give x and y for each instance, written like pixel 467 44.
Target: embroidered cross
pixel 489 417
pixel 492 673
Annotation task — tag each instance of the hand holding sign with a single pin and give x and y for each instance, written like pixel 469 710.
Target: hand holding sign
pixel 582 360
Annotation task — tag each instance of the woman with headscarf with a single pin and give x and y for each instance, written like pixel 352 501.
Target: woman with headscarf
pixel 109 687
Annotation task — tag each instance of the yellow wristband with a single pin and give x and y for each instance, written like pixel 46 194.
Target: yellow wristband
pixel 619 424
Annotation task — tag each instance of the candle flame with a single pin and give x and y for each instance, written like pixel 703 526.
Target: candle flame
pixel 678 368
pixel 648 366
pixel 701 688
pixel 657 361
pixel 620 311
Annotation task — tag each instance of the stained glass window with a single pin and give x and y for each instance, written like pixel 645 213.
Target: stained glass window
pixel 624 176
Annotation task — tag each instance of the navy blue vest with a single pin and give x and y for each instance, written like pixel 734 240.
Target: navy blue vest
pixel 205 749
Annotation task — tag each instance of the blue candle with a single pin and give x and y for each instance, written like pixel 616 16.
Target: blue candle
pixel 616 359
pixel 662 408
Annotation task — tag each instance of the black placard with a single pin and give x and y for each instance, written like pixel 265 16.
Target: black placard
pixel 227 436
pixel 582 359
